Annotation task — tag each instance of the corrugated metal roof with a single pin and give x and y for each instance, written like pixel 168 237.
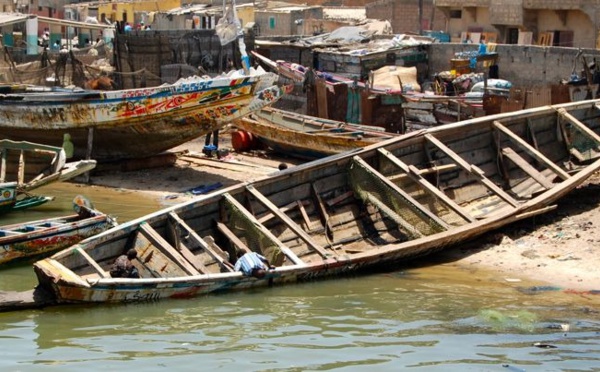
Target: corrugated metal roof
pixel 12 18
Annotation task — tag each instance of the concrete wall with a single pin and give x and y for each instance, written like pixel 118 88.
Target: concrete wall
pixel 403 15
pixel 523 65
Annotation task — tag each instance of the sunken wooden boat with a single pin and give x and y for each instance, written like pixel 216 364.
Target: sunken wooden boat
pixel 132 123
pixel 308 137
pixel 377 207
pixel 34 239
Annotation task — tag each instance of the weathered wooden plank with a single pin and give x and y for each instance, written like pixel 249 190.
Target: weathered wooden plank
pixel 288 221
pixel 531 150
pixel 323 215
pixel 295 259
pixel 239 244
pixel 414 173
pixel 158 241
pixel 92 263
pixel 184 250
pixel 218 256
pixel 398 191
pixel 526 167
pixel 473 170
pixel 573 120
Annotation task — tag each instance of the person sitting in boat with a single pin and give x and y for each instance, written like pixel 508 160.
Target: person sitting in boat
pixel 123 267
pixel 253 264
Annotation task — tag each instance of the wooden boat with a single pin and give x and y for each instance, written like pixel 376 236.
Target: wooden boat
pixel 308 137
pixel 33 165
pixel 380 206
pixel 25 166
pixel 32 239
pixel 12 200
pixel 132 123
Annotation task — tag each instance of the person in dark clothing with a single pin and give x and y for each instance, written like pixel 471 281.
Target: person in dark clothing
pixel 123 267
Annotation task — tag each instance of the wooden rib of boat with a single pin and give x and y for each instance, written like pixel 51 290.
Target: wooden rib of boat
pixel 308 137
pixel 380 206
pixel 132 123
pixel 33 239
pixel 25 166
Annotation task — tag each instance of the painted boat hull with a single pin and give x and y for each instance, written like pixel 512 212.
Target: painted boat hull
pixel 308 137
pixel 379 206
pixel 35 239
pixel 137 122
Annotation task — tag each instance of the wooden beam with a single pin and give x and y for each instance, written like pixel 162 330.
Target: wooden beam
pixel 239 244
pixel 159 242
pixel 472 169
pixel 527 168
pixel 288 252
pixel 287 221
pixel 398 191
pixel 414 173
pixel 324 216
pixel 184 250
pixel 92 262
pixel 573 120
pixel 531 150
pixel 408 227
pixel 425 171
pixel 211 250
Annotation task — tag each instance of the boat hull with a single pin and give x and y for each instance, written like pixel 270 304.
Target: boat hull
pixel 32 242
pixel 308 137
pixel 133 123
pixel 379 206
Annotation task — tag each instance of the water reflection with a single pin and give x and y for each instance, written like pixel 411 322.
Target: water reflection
pixel 382 321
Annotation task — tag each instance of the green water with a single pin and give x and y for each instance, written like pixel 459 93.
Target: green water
pixel 428 317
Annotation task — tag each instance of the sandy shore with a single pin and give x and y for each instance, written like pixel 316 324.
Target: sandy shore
pixel 560 248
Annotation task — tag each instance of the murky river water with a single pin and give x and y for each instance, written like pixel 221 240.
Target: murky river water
pixel 430 318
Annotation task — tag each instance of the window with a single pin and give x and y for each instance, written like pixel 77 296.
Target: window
pixel 271 22
pixel 457 14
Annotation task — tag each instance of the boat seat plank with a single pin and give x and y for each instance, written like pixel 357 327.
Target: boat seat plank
pixel 573 120
pixel 215 252
pixel 526 167
pixel 159 242
pixel 474 170
pixel 407 199
pixel 270 215
pixel 288 221
pixel 408 227
pixel 286 251
pixel 414 173
pixel 93 264
pixel 531 150
pixel 237 242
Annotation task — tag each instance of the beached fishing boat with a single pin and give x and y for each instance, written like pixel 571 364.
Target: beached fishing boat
pixel 132 123
pixel 25 166
pixel 308 137
pixel 33 239
pixel 377 207
pixel 33 165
